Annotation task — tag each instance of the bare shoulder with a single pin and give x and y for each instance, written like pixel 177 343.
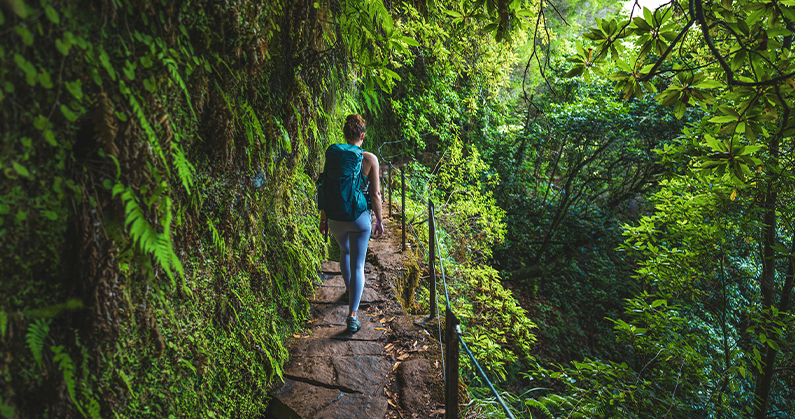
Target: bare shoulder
pixel 371 158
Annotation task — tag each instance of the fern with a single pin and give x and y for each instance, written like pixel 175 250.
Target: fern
pixel 541 407
pixel 37 332
pixel 174 71
pixel 93 408
pixel 66 366
pixel 218 241
pixel 139 113
pixel 144 235
pixel 3 324
pixel 257 130
pixel 185 169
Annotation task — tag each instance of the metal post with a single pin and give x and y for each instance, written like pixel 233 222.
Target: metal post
pixel 432 258
pixel 451 364
pixel 389 187
pixel 403 205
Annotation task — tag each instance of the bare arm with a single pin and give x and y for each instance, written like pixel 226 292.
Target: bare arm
pixel 372 171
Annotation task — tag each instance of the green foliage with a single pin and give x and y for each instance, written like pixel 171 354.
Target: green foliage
pixel 149 241
pixel 127 127
pixel 37 332
pixel 67 367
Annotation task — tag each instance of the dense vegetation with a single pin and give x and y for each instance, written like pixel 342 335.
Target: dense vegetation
pixel 615 211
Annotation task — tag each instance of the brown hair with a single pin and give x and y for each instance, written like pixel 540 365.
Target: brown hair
pixel 354 127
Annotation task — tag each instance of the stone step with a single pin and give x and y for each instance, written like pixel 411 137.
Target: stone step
pixel 333 295
pixel 300 400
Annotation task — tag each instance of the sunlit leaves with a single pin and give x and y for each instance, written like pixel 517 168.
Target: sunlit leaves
pixel 686 89
pixel 629 80
pixel 585 63
pixel 605 36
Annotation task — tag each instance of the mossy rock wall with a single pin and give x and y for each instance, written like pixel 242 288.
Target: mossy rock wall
pixel 157 228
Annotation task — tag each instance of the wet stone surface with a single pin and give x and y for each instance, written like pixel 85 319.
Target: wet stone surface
pixel 378 372
pixel 333 373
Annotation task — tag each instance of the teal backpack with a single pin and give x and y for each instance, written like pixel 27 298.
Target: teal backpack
pixel 339 189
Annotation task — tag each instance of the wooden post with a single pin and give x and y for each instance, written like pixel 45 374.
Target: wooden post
pixel 451 364
pixel 403 205
pixel 432 258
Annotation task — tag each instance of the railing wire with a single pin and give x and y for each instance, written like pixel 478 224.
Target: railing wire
pixel 478 368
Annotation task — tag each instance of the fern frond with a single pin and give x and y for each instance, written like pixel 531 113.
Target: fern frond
pixel 218 241
pixel 174 71
pixel 138 110
pixel 37 332
pixel 149 241
pixel 94 410
pixel 66 366
pixel 541 407
pixel 185 169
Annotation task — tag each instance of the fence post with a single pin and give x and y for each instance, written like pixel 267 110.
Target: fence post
pixel 451 364
pixel 432 258
pixel 389 187
pixel 403 205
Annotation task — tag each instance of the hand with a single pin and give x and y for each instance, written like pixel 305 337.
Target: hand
pixel 378 229
pixel 323 227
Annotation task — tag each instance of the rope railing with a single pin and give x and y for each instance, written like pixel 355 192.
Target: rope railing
pixel 453 333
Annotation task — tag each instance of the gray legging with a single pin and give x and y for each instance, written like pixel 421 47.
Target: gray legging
pixel 352 237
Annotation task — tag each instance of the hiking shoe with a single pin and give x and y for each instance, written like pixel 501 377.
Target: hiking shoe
pixel 353 324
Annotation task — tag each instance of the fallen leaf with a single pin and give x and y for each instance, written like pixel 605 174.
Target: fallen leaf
pixel 436 364
pixel 379 328
pixel 402 357
pixel 438 412
pixel 398 363
pixel 391 402
pixel 296 336
pixel 393 318
pixel 383 320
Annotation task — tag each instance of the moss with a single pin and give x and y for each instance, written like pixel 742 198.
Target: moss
pixel 168 279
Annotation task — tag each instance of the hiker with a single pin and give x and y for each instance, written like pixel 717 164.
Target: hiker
pixel 344 206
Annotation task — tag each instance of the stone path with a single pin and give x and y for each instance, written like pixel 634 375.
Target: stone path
pixel 388 369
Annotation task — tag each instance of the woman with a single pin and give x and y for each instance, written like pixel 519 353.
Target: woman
pixel 348 218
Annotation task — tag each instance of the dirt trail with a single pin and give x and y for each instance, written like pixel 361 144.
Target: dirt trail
pixel 391 368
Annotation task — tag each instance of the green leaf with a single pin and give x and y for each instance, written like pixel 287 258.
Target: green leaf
pixel 75 88
pixel 40 122
pixel 7 411
pixel 49 136
pixel 20 169
pixel 62 47
pixel 658 303
pixel 129 71
pixel 409 41
pixel 50 215
pixel 25 34
pixel 750 149
pixel 709 84
pixel 30 71
pixel 68 113
pixel 52 14
pixel 575 71
pixel 104 59
pixel 723 119
pixel 44 79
